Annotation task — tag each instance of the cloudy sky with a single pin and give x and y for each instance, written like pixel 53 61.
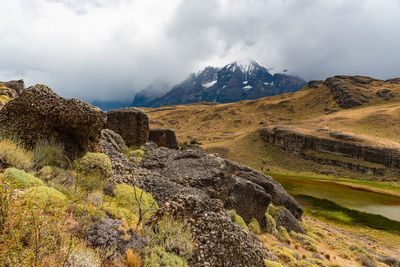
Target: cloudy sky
pixel 109 49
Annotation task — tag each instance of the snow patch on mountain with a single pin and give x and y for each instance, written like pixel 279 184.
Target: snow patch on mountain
pixel 209 84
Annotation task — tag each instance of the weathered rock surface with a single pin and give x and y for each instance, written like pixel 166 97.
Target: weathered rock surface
pixel 38 113
pixel 108 232
pixel 18 86
pixel 283 217
pixel 198 188
pixel 164 137
pixel 296 143
pixel 131 124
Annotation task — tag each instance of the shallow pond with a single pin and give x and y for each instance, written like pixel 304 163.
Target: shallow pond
pixel 346 196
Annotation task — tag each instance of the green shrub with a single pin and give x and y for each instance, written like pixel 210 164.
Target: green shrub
pixel 91 182
pixel 270 224
pixel 118 212
pixel 173 235
pixel 14 155
pixel 125 198
pixel 134 155
pixel 95 163
pixel 283 235
pixel 49 153
pixel 157 257
pixel 254 226
pixel 284 254
pixel 22 178
pixel 237 219
pixel 273 211
pixel 55 175
pixel 272 264
pixel 45 197
pixel 308 242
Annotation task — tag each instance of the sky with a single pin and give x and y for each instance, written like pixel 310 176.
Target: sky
pixel 107 50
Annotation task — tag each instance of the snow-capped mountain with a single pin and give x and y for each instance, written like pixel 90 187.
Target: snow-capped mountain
pixel 233 82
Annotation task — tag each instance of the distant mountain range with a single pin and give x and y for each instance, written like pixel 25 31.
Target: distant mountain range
pixel 233 82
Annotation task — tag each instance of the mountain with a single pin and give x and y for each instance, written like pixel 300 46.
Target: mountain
pixel 153 91
pixel 233 82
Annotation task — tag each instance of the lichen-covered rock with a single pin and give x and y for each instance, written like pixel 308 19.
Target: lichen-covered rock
pixel 38 113
pixel 131 124
pixel 164 137
pixel 108 233
pixel 18 86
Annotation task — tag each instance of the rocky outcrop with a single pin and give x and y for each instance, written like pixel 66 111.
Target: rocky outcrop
pixel 164 137
pixel 38 113
pixel 296 143
pixel 18 86
pixel 130 123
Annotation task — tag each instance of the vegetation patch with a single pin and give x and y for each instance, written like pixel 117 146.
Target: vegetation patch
pixel 237 219
pixel 270 224
pixel 22 178
pixel 254 226
pixel 45 197
pixel 157 257
pixel 49 153
pixel 14 155
pixel 95 164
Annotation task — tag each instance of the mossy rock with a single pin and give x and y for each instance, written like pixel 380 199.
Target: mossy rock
pixel 273 210
pixel 254 226
pixel 269 225
pixel 157 257
pixel 45 197
pixel 4 99
pixel 237 219
pixel 95 163
pixel 124 196
pixel 22 178
pixel 272 264
pixel 14 155
pixel 135 156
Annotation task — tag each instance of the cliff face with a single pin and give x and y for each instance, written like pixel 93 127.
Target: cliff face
pixel 297 143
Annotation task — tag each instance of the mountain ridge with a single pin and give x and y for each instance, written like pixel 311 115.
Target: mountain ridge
pixel 231 83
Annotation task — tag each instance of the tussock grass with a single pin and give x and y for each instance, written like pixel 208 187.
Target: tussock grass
pixel 13 154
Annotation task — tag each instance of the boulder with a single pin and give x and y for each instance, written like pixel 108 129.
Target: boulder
pixel 38 113
pixel 283 217
pixel 164 137
pixel 18 86
pixel 131 124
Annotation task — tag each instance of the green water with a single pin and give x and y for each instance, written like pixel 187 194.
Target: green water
pixel 345 196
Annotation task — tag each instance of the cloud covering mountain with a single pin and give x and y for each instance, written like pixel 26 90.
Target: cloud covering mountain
pixel 110 49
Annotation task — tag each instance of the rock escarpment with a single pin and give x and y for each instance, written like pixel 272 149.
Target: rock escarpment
pixel 132 124
pixel 199 188
pixel 38 113
pixel 297 143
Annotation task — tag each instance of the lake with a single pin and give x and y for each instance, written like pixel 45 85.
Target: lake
pixel 345 196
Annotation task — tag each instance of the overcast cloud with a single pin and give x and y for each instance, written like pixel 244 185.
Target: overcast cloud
pixel 110 49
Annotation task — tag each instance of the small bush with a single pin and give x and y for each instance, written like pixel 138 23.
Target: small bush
pixel 45 197
pixel 283 235
pixel 82 256
pixel 134 155
pixel 237 219
pixel 22 178
pixel 55 175
pixel 49 153
pixel 308 242
pixel 95 163
pixel 272 264
pixel 270 224
pixel 118 212
pixel 173 235
pixel 125 198
pixel 157 257
pixel 14 155
pixel 284 254
pixel 254 226
pixel 91 182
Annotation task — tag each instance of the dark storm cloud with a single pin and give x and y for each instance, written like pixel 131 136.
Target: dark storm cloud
pixel 108 49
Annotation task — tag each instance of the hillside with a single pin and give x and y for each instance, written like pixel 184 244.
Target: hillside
pixel 233 82
pixel 364 108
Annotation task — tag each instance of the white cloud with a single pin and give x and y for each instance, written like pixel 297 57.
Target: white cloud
pixel 108 49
